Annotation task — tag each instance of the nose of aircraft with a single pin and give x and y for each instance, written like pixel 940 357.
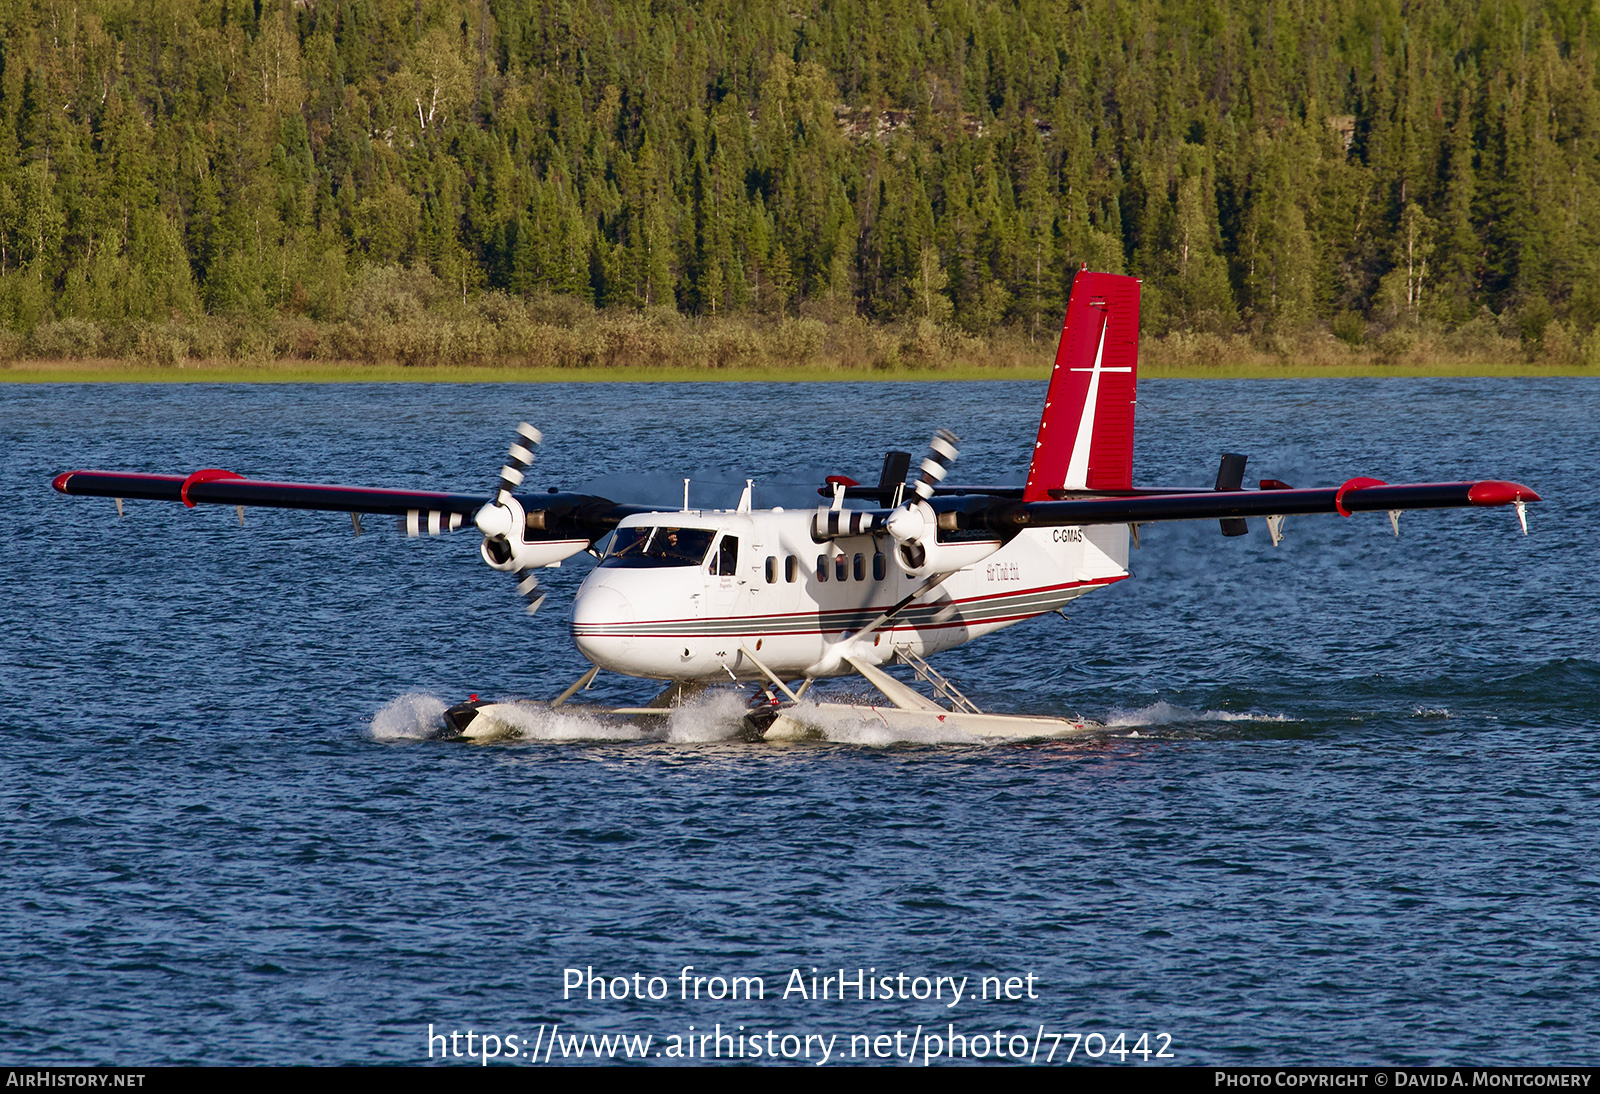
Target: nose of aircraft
pixel 601 618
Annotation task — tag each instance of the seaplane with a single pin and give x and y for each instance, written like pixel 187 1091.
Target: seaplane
pixel 880 573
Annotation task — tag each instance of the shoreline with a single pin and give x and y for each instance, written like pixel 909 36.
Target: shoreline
pixel 303 372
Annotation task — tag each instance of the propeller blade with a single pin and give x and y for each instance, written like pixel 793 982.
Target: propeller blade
pixel 942 453
pixel 519 457
pixel 529 588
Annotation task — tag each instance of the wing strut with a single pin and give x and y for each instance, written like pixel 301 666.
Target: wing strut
pixel 926 587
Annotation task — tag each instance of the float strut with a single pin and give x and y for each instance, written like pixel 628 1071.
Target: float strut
pixel 581 683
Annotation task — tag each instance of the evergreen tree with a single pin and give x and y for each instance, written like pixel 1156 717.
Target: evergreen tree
pixel 1264 165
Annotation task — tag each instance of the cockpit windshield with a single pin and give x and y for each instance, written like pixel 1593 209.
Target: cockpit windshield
pixel 659 546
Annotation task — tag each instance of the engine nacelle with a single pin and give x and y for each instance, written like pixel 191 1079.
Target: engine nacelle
pixel 506 544
pixel 915 528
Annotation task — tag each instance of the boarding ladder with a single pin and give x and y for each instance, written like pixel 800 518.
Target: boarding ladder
pixel 936 680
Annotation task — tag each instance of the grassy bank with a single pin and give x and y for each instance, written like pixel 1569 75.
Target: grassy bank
pixel 340 372
pixel 343 372
pixel 405 335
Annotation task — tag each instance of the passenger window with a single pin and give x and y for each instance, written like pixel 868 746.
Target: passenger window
pixel 880 567
pixel 822 567
pixel 728 556
pixel 790 565
pixel 840 568
pixel 772 569
pixel 860 568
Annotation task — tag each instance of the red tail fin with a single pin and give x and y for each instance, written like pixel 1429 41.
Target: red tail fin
pixel 1085 437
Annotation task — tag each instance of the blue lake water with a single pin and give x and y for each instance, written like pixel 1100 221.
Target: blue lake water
pixel 1346 808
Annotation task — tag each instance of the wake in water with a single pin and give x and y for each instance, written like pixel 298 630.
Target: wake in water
pixel 412 717
pixel 420 717
pixel 714 716
pixel 1160 718
pixel 1163 713
pixel 718 715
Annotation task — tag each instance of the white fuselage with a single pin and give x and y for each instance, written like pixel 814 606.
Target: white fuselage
pixel 789 600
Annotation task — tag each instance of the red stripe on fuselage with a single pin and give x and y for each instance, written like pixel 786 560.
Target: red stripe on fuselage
pixel 869 610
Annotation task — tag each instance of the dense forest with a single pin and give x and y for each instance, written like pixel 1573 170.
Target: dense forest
pixel 501 179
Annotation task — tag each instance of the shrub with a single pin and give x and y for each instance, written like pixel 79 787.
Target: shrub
pixel 798 341
pixel 1350 328
pixel 1559 346
pixel 1397 347
pixel 394 294
pixel 69 339
pixel 161 345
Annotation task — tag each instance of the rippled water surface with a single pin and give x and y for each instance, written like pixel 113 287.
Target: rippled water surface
pixel 1344 808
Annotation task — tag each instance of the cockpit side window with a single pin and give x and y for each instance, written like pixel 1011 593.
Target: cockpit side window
pixel 727 562
pixel 658 546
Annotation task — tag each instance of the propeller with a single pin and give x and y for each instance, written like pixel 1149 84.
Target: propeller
pixel 504 517
pixel 913 524
pixel 914 520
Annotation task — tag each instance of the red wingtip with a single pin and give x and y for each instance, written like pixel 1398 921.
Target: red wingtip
pixel 60 481
pixel 1498 492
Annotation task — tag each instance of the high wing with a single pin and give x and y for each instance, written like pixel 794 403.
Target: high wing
pixel 546 516
pixel 1272 501
pixel 217 487
pixel 998 513
pixel 519 533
